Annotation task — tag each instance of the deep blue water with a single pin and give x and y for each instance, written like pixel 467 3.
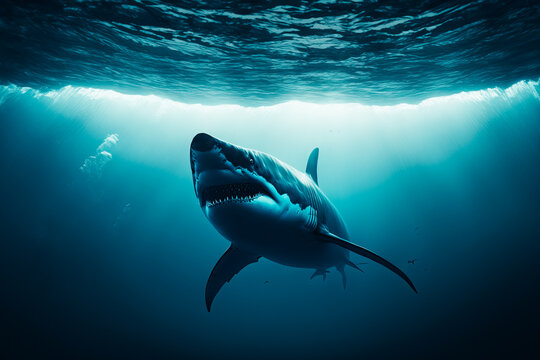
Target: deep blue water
pixel 427 119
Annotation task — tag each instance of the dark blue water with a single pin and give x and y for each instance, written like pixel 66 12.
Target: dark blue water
pixel 105 253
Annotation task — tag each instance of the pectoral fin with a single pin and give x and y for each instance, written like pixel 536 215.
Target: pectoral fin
pixel 327 236
pixel 227 266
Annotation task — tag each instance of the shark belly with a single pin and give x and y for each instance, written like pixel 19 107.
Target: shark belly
pixel 283 240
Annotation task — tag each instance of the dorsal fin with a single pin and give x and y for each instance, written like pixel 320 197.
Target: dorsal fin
pixel 311 168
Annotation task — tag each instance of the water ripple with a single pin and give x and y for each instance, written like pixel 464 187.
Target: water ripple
pixel 267 52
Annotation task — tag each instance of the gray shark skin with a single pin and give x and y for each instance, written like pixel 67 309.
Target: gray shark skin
pixel 267 208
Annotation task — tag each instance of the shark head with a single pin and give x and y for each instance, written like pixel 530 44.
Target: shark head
pixel 234 185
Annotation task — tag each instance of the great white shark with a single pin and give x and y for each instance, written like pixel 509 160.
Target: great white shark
pixel 269 209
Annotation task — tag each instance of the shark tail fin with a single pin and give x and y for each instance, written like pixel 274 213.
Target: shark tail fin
pixel 311 168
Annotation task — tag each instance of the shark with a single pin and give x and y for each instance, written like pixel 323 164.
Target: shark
pixel 267 208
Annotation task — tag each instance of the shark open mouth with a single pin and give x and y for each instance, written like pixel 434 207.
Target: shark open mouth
pixel 239 192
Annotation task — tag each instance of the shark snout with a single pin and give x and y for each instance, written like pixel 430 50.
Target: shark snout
pixel 203 142
pixel 204 153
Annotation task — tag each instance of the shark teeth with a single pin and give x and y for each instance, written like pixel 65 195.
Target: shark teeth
pixel 233 199
pixel 232 193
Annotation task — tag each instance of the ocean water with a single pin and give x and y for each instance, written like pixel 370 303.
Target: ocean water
pixel 427 119
pixel 106 252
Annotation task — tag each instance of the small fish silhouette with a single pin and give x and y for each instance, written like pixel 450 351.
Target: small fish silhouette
pixel 411 261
